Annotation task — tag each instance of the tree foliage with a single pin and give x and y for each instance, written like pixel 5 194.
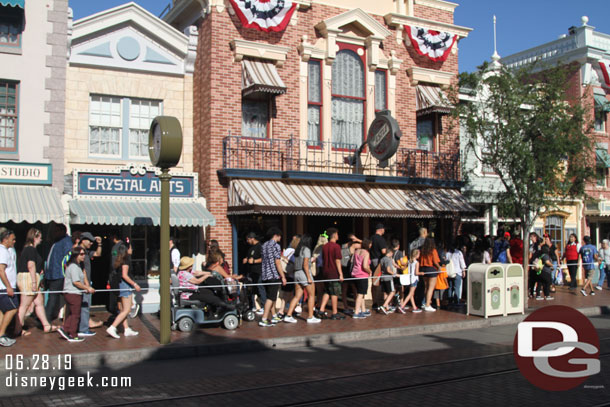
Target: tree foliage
pixel 525 125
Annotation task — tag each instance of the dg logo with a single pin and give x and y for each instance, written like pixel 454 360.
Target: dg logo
pixel 557 348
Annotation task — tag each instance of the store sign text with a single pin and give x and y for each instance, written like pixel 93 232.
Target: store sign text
pixel 126 184
pixel 25 173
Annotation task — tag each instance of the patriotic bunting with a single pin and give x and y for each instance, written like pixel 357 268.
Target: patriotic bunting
pixel 264 15
pixel 435 45
pixel 605 65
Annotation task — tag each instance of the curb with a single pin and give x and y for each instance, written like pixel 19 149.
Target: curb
pixel 111 359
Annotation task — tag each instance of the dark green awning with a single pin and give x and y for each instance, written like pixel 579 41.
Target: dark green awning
pixel 13 3
pixel 603 158
pixel 601 103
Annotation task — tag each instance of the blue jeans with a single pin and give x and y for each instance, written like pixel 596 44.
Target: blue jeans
pixel 603 274
pixel 83 326
pixel 455 287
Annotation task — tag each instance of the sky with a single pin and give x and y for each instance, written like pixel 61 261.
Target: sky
pixel 521 24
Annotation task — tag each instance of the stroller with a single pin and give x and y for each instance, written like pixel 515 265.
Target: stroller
pixel 240 297
pixel 187 313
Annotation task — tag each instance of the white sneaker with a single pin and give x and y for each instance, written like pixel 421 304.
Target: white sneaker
pixel 290 319
pixel 313 320
pixel 298 309
pixel 260 311
pixel 112 332
pixel 583 292
pixel 598 287
pixel 429 309
pixel 130 332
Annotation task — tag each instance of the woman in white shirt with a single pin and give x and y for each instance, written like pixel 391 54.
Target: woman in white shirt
pixel 456 257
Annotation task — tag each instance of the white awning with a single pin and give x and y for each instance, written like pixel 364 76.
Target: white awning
pixel 431 99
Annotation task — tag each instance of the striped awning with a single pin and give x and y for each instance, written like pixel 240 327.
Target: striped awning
pixel 110 212
pixel 260 76
pixel 431 99
pixel 338 199
pixel 601 103
pixel 31 204
pixel 13 3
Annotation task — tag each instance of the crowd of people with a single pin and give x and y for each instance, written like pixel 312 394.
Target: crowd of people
pixel 66 276
pixel 315 279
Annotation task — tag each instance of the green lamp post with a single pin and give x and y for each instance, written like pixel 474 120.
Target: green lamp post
pixel 164 149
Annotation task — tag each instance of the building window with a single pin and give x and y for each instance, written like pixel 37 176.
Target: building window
pixel 9 116
pixel 118 127
pixel 426 130
pixel 11 26
pixel 381 90
pixel 141 114
pixel 553 226
pixel 601 176
pixel 348 97
pixel 600 122
pixel 314 102
pixel 254 118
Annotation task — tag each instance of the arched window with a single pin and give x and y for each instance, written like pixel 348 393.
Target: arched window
pixel 348 98
pixel 554 227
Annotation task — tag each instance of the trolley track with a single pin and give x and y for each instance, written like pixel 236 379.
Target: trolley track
pixel 369 375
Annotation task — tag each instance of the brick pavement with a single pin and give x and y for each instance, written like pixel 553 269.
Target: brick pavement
pixel 369 328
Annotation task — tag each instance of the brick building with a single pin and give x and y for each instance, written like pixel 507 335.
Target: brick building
pixel 278 115
pixel 589 51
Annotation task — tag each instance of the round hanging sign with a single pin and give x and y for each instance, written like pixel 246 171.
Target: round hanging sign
pixel 384 136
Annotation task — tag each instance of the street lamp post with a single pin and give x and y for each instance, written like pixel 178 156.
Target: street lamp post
pixel 165 149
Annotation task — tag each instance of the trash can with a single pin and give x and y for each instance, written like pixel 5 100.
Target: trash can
pixel 486 287
pixel 514 281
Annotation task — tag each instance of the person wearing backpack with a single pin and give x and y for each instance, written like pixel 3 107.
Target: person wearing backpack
pixel 545 277
pixel 501 253
pixel 588 256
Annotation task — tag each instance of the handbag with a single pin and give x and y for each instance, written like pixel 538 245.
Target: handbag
pixel 441 281
pixel 451 272
pixel 377 275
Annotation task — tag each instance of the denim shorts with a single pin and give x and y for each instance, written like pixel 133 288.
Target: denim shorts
pixel 8 303
pixel 125 289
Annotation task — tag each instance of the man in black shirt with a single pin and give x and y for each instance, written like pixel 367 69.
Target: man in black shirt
pixel 378 249
pixel 254 259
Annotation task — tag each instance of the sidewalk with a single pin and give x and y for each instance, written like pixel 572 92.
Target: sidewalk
pixel 101 349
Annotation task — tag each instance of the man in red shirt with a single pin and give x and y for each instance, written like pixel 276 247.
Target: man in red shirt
pixel 331 270
pixel 516 249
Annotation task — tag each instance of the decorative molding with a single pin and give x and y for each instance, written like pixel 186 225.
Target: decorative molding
pixel 394 63
pixel 399 21
pixel 438 4
pixel 308 50
pixel 441 78
pixel 189 62
pixel 303 4
pixel 334 24
pixel 243 48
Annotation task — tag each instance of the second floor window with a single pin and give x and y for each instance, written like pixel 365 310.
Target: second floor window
pixel 118 127
pixel 314 102
pixel 348 97
pixel 8 116
pixel 381 90
pixel 254 118
pixel 425 133
pixel 600 122
pixel 11 26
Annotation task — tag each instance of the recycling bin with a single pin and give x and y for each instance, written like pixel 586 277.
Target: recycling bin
pixel 486 289
pixel 514 282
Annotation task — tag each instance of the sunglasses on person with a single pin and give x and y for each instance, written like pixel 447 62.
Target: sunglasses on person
pixel 81 254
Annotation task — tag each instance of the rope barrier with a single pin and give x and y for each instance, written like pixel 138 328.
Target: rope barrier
pixel 258 284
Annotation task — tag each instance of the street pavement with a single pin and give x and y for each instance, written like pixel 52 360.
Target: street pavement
pixel 465 368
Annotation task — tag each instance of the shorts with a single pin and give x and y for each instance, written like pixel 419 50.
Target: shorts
pixel 332 288
pixel 300 277
pixel 387 285
pixel 429 271
pixel 125 289
pixel 362 286
pixel 272 289
pixel 347 271
pixel 439 294
pixel 590 274
pixel 24 281
pixel 8 303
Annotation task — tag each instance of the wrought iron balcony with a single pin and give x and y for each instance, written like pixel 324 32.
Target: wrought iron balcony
pixel 301 156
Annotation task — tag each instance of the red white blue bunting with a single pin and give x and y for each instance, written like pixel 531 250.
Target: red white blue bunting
pixel 605 65
pixel 264 15
pixel 435 45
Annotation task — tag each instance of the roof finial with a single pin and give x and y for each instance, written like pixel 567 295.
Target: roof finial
pixel 495 57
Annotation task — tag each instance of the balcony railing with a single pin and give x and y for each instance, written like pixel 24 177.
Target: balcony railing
pixel 326 157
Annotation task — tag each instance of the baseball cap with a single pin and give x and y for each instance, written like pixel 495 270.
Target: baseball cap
pixel 379 226
pixel 87 236
pixel 506 234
